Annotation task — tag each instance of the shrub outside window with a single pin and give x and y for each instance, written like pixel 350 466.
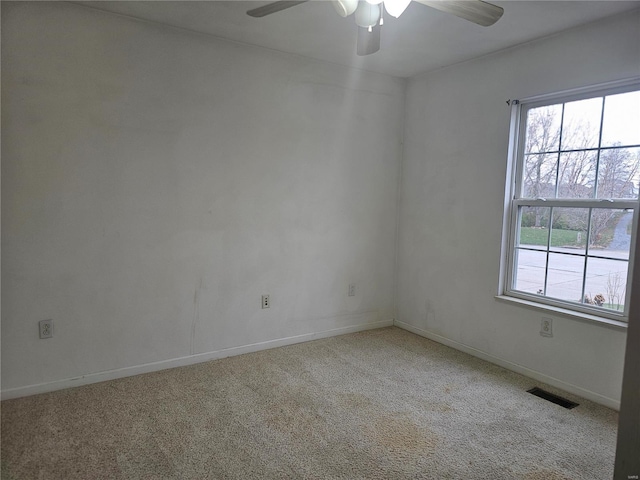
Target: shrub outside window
pixel 574 202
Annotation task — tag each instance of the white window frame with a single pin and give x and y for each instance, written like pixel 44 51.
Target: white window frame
pixel 519 109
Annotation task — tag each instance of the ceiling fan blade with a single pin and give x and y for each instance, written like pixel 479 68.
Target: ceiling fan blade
pixel 274 7
pixel 368 41
pixel 475 11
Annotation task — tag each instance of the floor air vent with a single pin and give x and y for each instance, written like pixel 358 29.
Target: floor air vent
pixel 563 402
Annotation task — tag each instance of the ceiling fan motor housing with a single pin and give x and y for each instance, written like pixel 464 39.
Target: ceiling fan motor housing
pixel 367 15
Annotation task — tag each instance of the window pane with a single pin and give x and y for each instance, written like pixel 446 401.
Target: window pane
pixel 539 176
pixel 581 124
pixel 529 271
pixel 610 233
pixel 621 124
pixel 606 283
pixel 577 174
pixel 564 279
pixel 543 129
pixel 569 230
pixel 534 230
pixel 618 173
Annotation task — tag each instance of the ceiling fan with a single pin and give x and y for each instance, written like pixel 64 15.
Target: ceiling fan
pixel 369 14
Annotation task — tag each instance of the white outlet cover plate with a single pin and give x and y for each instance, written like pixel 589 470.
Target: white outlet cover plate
pixel 546 327
pixel 46 328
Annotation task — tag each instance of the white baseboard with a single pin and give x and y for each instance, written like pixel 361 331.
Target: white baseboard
pixel 184 361
pixel 527 372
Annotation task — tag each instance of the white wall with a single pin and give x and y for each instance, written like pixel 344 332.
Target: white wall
pixel 155 183
pixel 452 193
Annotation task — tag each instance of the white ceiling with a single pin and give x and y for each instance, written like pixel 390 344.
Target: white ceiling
pixel 422 39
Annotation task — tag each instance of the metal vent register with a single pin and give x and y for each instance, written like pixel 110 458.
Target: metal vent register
pixel 563 402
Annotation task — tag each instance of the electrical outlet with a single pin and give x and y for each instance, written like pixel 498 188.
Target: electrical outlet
pixel 46 328
pixel 352 289
pixel 546 327
pixel 266 302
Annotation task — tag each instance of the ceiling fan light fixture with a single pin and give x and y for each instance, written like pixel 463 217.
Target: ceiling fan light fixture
pixel 395 8
pixel 345 7
pixel 367 15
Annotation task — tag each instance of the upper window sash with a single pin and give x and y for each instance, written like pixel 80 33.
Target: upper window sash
pixel 596 149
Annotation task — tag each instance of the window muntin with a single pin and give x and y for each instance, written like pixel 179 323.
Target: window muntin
pixel 575 201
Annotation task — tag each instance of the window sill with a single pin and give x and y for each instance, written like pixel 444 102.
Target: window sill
pixel 565 312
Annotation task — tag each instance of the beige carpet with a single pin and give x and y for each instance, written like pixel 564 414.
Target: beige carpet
pixel 382 404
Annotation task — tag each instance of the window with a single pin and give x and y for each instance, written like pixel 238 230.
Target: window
pixel 573 200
